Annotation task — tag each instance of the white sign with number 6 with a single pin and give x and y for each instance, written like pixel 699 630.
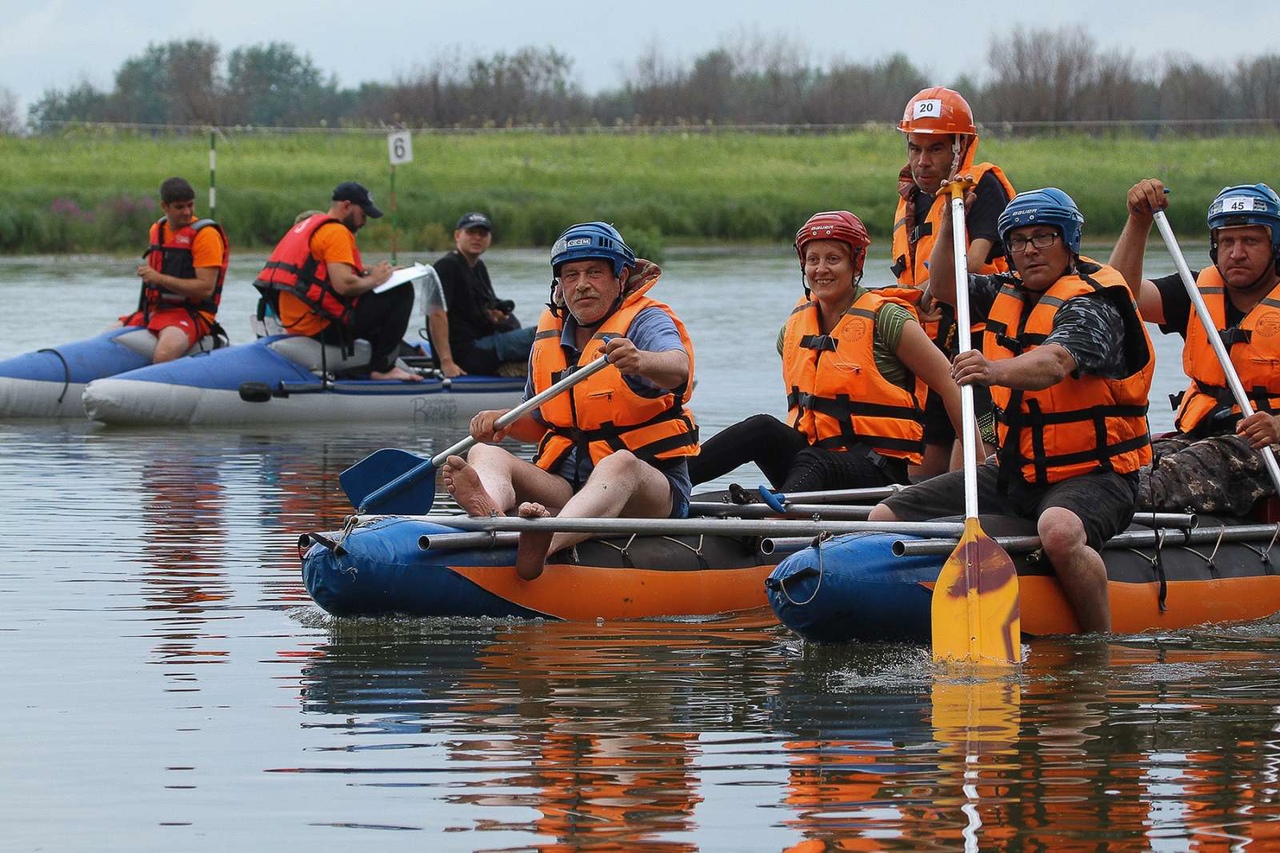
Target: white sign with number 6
pixel 400 147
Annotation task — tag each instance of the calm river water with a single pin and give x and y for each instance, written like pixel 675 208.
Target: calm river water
pixel 169 685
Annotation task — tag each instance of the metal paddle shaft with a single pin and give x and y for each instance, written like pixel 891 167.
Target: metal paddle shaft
pixel 367 501
pixel 964 335
pixel 974 612
pixel 1211 332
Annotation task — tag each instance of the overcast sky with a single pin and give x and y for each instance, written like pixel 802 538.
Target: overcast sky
pixel 59 43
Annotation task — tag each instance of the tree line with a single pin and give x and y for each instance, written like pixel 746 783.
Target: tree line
pixel 1033 76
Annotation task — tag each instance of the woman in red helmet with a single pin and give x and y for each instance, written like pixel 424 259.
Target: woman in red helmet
pixel 855 365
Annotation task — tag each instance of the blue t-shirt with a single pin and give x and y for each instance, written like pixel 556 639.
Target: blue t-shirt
pixel 652 330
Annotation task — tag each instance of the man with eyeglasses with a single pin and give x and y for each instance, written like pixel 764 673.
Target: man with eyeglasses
pixel 942 142
pixel 1211 464
pixel 1069 365
pixel 614 445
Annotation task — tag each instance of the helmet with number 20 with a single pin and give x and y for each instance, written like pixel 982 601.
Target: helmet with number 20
pixel 938 110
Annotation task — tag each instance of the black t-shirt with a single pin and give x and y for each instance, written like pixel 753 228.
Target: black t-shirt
pixel 468 294
pixel 982 217
pixel 1177 305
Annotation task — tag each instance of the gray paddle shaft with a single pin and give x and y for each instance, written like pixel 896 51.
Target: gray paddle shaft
pixel 1211 332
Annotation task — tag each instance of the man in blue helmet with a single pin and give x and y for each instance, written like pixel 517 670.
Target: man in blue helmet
pixel 1069 366
pixel 1211 463
pixel 617 443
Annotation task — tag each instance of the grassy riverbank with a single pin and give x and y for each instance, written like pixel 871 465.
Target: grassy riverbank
pixel 91 191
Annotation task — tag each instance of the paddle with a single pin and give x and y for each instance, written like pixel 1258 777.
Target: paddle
pixel 974 612
pixel 779 501
pixel 1219 349
pixel 397 482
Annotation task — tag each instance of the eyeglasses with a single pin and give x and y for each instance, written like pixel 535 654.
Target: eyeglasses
pixel 1018 244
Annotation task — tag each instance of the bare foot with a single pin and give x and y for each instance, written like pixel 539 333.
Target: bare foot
pixel 395 373
pixel 462 481
pixel 531 553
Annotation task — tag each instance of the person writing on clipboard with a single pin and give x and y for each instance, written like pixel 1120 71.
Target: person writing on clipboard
pixel 319 287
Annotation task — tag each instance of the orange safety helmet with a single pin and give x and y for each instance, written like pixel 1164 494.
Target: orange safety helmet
pixel 840 225
pixel 938 110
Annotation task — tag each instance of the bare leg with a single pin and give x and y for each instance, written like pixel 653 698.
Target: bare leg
pixel 1080 569
pixel 531 553
pixel 880 512
pixel 171 343
pixel 395 373
pixel 463 482
pixel 937 459
pixel 621 486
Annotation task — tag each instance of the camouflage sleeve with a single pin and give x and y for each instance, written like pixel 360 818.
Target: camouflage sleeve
pixel 1092 330
pixel 982 295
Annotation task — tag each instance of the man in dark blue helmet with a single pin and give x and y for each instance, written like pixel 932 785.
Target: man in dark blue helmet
pixel 1211 463
pixel 1069 366
pixel 617 443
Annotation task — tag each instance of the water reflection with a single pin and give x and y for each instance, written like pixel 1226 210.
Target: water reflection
pixel 183 552
pixel 580 735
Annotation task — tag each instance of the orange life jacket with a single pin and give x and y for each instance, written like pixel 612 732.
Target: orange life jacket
pixel 911 259
pixel 836 395
pixel 169 253
pixel 602 414
pixel 294 270
pixel 1254 347
pixel 1081 424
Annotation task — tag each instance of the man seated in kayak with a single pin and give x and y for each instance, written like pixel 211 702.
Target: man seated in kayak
pixel 186 264
pixel 615 444
pixel 1069 365
pixel 855 365
pixel 1211 463
pixel 942 142
pixel 319 287
pixel 472 330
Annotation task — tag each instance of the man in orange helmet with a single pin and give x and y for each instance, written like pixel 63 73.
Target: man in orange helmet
pixel 942 142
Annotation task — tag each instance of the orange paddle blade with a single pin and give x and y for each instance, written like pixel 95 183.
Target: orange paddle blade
pixel 975 603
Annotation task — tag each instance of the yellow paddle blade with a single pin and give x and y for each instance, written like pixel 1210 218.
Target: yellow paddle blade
pixel 975 603
pixel 978 713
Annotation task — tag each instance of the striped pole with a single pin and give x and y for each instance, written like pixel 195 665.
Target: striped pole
pixel 213 168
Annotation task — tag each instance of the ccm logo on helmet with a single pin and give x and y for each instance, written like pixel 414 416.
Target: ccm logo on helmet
pixel 579 241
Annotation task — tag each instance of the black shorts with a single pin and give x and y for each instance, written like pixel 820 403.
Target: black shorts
pixel 1104 501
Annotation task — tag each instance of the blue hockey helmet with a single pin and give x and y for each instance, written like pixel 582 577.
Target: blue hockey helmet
pixel 1245 204
pixel 592 240
pixel 1048 206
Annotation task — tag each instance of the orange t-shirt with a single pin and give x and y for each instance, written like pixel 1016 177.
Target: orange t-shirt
pixel 206 249
pixel 332 243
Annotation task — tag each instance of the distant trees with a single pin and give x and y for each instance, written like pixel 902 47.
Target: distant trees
pixel 9 120
pixel 1033 76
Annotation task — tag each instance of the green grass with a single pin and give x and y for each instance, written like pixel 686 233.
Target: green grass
pixel 95 191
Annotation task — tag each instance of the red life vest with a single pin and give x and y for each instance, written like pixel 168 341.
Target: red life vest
pixel 1084 423
pixel 602 414
pixel 169 253
pixel 1254 348
pixel 294 270
pixel 836 395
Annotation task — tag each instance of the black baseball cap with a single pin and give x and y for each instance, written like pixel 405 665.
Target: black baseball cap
pixel 357 194
pixel 474 220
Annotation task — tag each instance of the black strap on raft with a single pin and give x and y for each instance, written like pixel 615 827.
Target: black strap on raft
pixel 66 373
